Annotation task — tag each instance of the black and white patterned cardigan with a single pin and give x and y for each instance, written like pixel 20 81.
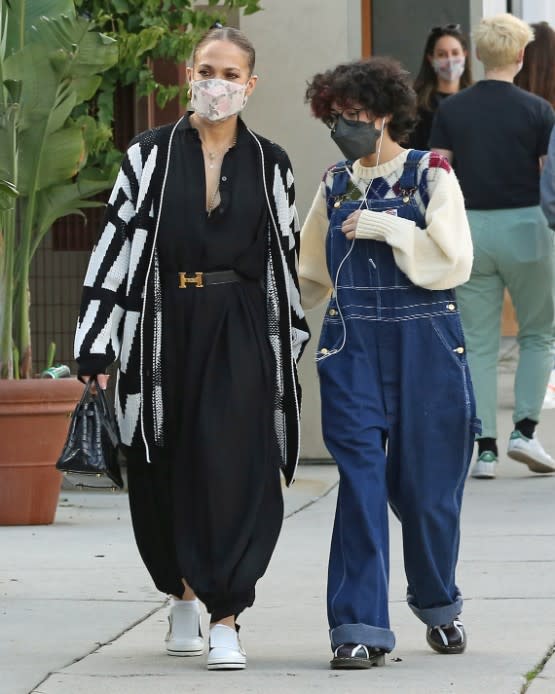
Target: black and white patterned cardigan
pixel 121 308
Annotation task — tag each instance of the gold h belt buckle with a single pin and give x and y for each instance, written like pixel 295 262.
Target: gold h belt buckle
pixel 184 280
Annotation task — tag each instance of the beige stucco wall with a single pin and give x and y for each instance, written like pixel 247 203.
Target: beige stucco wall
pixel 294 39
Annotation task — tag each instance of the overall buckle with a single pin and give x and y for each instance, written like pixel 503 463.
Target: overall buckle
pixel 197 280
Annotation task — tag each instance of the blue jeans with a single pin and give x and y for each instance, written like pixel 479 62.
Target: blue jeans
pixel 398 416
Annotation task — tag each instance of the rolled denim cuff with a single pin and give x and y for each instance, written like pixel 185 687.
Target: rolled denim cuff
pixel 373 637
pixel 437 616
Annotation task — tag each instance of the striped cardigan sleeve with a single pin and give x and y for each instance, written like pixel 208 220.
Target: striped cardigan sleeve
pixel 289 221
pixel 100 325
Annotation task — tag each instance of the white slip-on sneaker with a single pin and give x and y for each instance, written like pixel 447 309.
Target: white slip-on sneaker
pixel 226 652
pixel 184 637
pixel 530 452
pixel 484 467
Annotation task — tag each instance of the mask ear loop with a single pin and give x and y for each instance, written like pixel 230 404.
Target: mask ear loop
pixel 364 202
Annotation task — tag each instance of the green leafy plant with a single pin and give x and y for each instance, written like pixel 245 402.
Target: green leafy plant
pixel 146 31
pixel 51 61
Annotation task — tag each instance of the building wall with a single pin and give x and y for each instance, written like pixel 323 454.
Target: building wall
pixel 537 11
pixel 294 39
pixel 401 28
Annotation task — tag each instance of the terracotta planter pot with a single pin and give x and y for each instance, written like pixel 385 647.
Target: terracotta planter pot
pixel 34 420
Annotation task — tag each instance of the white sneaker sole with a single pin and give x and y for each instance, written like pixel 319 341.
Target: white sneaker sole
pixel 222 664
pixel 185 654
pixel 481 472
pixel 533 464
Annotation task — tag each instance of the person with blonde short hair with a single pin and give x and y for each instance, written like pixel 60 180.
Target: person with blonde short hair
pixel 501 40
pixel 496 136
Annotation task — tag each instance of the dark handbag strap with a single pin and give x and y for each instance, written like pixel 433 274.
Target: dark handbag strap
pixel 104 410
pixel 107 416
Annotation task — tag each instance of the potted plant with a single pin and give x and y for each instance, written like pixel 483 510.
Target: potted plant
pixel 49 65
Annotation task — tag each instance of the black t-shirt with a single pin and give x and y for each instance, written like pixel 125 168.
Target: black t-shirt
pixel 420 136
pixel 497 133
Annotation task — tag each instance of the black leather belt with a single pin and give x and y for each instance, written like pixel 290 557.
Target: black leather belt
pixel 204 279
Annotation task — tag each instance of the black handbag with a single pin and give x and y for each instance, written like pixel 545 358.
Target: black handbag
pixel 90 454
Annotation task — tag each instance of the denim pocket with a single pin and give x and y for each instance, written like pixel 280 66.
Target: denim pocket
pixel 333 331
pixel 449 331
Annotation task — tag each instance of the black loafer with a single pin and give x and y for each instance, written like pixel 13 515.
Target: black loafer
pixel 449 638
pixel 356 656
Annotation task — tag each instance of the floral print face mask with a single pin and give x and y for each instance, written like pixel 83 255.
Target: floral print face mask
pixel 449 69
pixel 217 99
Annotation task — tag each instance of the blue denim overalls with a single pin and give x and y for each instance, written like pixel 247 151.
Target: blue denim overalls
pixel 398 416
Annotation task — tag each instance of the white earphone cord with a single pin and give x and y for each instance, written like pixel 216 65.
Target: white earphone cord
pixel 319 355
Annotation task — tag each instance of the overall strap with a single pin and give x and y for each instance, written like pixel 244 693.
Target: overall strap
pixel 409 178
pixel 340 181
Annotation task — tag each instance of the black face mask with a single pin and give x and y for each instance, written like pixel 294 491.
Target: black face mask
pixel 354 138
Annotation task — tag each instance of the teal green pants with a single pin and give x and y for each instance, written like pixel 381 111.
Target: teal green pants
pixel 513 249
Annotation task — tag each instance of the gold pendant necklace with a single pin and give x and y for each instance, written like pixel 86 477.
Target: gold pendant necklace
pixel 212 155
pixel 212 162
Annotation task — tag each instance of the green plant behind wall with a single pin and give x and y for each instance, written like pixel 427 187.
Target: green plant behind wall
pixel 48 66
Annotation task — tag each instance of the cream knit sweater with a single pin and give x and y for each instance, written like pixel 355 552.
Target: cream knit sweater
pixel 436 257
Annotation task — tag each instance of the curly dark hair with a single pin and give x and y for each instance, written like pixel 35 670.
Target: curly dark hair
pixel 379 85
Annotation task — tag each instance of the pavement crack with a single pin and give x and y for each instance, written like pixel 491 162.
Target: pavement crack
pixel 532 674
pixel 312 501
pixel 99 645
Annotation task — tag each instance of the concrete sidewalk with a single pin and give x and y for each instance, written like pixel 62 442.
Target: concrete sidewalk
pixel 78 613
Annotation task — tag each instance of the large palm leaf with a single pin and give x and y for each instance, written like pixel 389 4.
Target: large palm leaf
pixel 48 65
pixel 24 14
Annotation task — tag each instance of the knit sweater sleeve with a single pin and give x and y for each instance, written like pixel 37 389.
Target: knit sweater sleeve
pixel 440 255
pixel 100 323
pixel 288 224
pixel 314 277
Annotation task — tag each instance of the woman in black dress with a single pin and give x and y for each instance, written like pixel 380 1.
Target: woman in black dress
pixel 193 285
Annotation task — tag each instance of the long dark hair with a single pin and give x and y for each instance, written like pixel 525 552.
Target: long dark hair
pixel 537 74
pixel 425 84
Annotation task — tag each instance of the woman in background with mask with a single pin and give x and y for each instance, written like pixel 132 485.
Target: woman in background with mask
pixel 387 237
pixel 445 70
pixel 193 286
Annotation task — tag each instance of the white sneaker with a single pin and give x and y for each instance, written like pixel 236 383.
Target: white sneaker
pixel 484 467
pixel 530 452
pixel 226 652
pixel 184 637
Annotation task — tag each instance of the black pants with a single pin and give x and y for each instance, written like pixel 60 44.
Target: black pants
pixel 219 545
